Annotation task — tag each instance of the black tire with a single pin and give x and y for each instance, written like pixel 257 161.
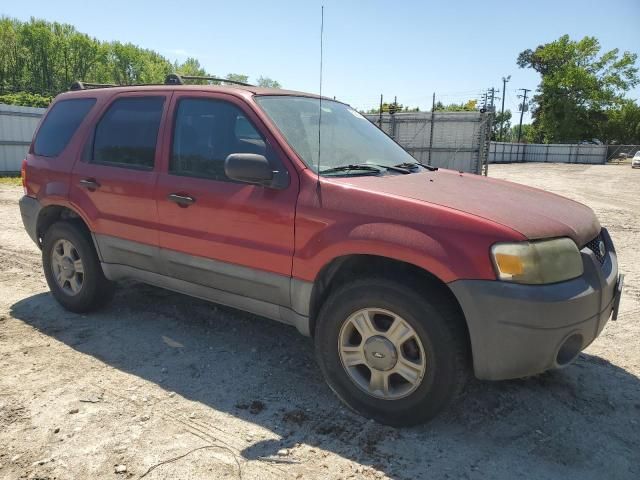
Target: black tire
pixel 440 328
pixel 96 290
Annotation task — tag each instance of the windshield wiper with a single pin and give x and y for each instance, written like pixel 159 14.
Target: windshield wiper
pixel 346 168
pixel 395 168
pixel 374 167
pixel 413 165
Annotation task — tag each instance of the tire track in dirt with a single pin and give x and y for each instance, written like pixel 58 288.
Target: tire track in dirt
pixel 165 408
pixel 27 260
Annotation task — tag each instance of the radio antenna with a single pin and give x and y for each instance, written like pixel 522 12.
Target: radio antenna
pixel 320 101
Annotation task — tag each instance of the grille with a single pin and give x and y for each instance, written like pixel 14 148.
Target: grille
pixel 594 246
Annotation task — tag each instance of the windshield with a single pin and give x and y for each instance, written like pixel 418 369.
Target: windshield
pixel 347 137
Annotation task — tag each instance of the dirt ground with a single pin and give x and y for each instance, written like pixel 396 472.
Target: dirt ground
pixel 159 385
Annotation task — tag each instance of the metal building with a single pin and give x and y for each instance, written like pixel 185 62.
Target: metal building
pixel 17 125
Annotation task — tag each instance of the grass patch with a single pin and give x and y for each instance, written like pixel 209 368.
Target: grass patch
pixel 13 181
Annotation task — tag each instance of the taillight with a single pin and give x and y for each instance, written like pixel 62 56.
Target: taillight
pixel 23 175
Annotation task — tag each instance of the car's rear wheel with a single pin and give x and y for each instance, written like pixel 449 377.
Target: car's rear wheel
pixel 389 352
pixel 72 268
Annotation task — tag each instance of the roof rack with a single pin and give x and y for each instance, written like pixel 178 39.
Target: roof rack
pixel 175 79
pixel 86 86
pixel 171 79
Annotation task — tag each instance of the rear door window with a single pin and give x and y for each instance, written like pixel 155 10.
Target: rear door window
pixel 127 134
pixel 60 124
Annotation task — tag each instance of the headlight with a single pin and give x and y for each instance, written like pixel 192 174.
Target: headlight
pixel 545 261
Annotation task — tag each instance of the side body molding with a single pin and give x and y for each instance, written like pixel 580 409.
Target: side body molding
pixel 255 291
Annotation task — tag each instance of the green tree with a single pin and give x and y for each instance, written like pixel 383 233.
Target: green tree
pixel 82 55
pixel 502 121
pixel 133 65
pixel 578 86
pixel 268 82
pixel 527 136
pixel 468 106
pixel 41 50
pixel 623 126
pixel 191 66
pixel 391 107
pixel 44 58
pixel 237 77
pixel 12 55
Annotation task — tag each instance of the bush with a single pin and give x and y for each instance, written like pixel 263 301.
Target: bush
pixel 26 99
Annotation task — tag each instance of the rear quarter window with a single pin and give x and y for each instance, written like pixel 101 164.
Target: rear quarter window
pixel 60 124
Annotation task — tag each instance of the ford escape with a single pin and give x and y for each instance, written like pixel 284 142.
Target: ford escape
pixel 298 209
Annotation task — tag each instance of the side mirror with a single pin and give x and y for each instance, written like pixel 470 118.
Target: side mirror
pixel 248 168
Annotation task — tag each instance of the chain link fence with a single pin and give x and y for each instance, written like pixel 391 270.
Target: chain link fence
pixel 621 153
pixel 455 140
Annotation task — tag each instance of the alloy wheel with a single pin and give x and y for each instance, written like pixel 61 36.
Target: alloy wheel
pixel 382 353
pixel 67 267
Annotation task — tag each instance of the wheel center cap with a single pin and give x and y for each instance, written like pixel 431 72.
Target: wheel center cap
pixel 380 353
pixel 67 267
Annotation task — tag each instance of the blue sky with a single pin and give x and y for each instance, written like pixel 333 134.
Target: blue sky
pixel 405 48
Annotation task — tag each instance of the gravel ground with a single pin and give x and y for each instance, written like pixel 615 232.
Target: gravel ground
pixel 159 385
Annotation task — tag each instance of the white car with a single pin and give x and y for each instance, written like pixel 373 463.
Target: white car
pixel 635 162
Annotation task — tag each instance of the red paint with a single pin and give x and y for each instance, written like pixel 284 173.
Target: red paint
pixel 237 223
pixel 443 221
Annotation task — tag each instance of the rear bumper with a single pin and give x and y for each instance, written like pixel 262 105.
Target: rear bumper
pixel 520 330
pixel 30 210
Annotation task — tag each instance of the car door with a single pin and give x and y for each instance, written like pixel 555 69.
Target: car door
pixel 231 236
pixel 113 183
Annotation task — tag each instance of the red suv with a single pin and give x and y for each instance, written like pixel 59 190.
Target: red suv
pixel 297 208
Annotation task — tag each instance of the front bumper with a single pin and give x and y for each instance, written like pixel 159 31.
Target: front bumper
pixel 521 330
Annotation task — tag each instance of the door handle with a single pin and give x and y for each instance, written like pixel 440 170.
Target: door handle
pixel 89 183
pixel 181 200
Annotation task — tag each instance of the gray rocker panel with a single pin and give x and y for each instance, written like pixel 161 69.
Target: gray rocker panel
pixel 252 305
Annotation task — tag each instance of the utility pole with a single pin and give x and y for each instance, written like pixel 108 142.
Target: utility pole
pixel 504 94
pixel 433 111
pixel 392 116
pixel 524 102
pixel 493 94
pixel 380 114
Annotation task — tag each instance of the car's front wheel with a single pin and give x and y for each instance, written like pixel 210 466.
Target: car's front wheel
pixel 389 352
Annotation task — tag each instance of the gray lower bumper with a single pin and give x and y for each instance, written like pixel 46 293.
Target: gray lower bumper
pixel 30 210
pixel 518 330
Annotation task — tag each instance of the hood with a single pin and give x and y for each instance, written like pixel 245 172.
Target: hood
pixel 534 213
